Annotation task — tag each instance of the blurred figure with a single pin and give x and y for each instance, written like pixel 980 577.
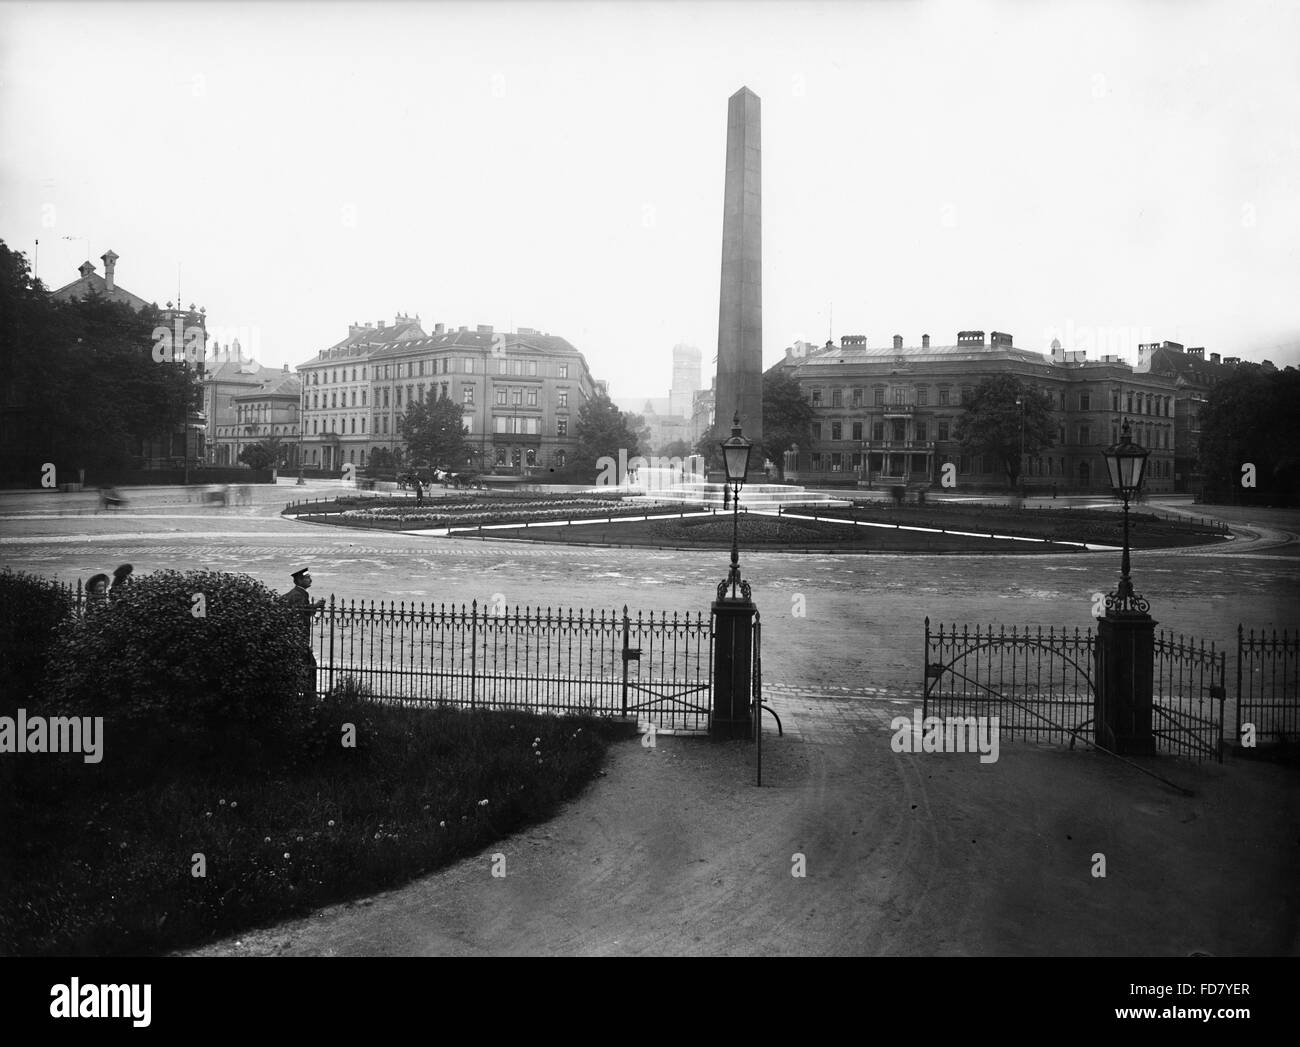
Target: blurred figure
pixel 96 592
pixel 121 579
pixel 110 497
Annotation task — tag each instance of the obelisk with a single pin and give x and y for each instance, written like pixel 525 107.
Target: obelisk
pixel 740 311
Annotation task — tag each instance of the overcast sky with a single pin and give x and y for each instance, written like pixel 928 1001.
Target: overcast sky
pixel 1108 174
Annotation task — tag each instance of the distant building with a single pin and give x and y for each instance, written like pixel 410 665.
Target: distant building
pixel 519 394
pixel 271 411
pixel 686 380
pixel 889 414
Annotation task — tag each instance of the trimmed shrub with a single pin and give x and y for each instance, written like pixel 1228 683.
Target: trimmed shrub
pixel 33 610
pixel 152 665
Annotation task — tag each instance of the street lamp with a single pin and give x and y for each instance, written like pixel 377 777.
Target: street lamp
pixel 735 456
pixel 1126 462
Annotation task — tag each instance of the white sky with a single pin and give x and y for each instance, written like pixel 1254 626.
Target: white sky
pixel 1108 173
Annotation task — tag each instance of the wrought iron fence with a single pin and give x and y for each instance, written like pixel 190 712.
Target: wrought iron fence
pixel 1037 682
pixel 1187 697
pixel 654 667
pixel 1268 685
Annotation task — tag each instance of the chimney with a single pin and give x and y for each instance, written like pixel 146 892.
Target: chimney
pixel 1058 354
pixel 439 328
pixel 1197 353
pixel 110 263
pixel 925 341
pixel 85 269
pixel 1214 358
pixel 286 368
pixel 484 328
pixel 898 341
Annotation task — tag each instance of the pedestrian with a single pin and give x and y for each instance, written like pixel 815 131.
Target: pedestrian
pixel 96 592
pixel 419 491
pixel 299 598
pixel 1053 490
pixel 121 579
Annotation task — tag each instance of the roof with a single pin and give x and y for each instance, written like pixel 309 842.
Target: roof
pixel 546 345
pixel 837 354
pixel 94 284
pixel 1190 368
pixel 278 383
pixel 236 370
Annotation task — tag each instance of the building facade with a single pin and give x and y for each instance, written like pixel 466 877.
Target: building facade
pixel 686 380
pixel 519 394
pixel 269 412
pixel 889 414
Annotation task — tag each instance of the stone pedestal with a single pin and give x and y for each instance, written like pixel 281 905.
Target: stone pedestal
pixel 1125 667
pixel 733 647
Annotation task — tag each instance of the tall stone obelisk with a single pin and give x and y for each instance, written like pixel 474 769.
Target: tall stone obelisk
pixel 740 312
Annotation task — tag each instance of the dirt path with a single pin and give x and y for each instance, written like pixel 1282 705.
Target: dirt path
pixel 675 852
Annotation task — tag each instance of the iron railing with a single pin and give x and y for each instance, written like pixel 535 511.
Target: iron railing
pixel 657 668
pixel 1037 682
pixel 1187 697
pixel 1268 685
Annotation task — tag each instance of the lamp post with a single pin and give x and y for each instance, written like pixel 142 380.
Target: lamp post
pixel 735 455
pixel 1125 651
pixel 1126 463
pixel 733 615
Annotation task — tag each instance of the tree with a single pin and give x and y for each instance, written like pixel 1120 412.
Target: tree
pixel 270 453
pixel 991 423
pixel 1249 419
pixel 787 417
pixel 640 430
pixel 434 432
pixel 677 449
pixel 602 430
pixel 78 380
pixel 382 459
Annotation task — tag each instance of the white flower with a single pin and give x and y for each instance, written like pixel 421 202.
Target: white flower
pixel 268 840
pixel 482 803
pixel 442 825
pixel 331 823
pixel 286 854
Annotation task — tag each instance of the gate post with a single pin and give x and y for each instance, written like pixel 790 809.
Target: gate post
pixel 733 647
pixel 1125 664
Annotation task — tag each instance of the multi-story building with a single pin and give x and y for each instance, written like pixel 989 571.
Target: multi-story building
pixel 1193 376
pixel 702 411
pixel 889 414
pixel 269 412
pixel 339 420
pixel 227 375
pixel 519 393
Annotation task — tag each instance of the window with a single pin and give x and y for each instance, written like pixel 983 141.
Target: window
pixel 837 462
pixel 878 396
pixel 532 397
pixel 562 398
pixel 336 376
pixel 314 430
pixel 857 396
pixel 921 431
pixel 817 430
pixel 421 371
pixel 444 391
pixel 900 429
pixel 857 430
pixel 354 378
pixel 501 456
pixel 363 398
pixel 516 367
pixel 968 394
pixel 517 397
pixel 837 398
pixel 386 370
pixel 501 397
pixel 900 395
pixel 354 425
pixel 397 396
pixel 532 368
pixel 559 459
pixel 562 427
pixel 943 397
pixel 943 430
pixel 530 456
pixel 1062 400
pixel 467 395
pixel 837 431
pixel 1130 403
pixel 877 430
pixel 564 370
pixel 815 462
pixel 1114 400
pixel 354 398
pixel 363 423
pixel 923 396
pixel 469 365
pixel 503 367
pixel 816 397
pixel 409 393
pixel 385 396
pixel 1085 402
pixel 1085 434
pixel 410 369
pixel 314 403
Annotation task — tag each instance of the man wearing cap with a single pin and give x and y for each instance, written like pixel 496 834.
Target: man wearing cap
pixel 299 598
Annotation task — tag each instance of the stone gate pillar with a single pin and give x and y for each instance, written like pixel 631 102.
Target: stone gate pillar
pixel 1125 670
pixel 733 649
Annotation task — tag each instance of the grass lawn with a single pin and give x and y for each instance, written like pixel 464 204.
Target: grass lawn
pixel 106 859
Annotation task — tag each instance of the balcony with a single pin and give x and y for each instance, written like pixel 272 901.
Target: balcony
pixel 899 410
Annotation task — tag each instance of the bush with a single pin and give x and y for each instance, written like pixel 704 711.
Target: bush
pixel 32 612
pixel 151 667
